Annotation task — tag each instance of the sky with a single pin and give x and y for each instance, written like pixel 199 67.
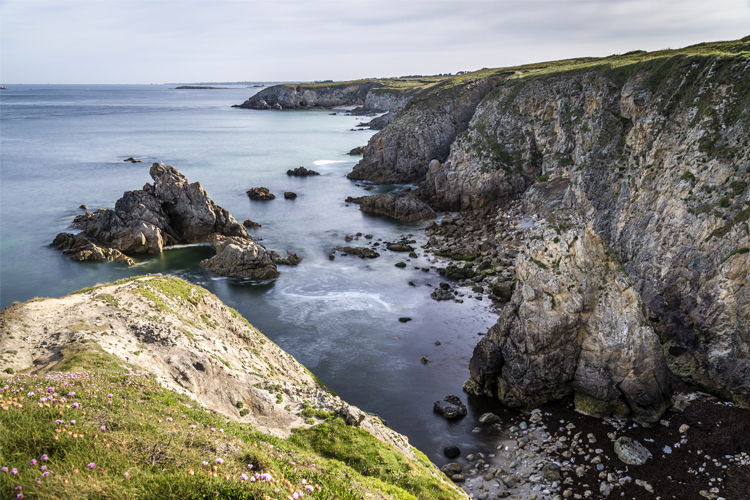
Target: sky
pixel 184 41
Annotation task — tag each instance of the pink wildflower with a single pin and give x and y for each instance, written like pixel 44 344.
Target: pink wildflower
pixel 91 465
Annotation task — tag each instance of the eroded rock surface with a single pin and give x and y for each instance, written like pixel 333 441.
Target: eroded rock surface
pixel 238 256
pixel 82 248
pixel 575 324
pixel 401 206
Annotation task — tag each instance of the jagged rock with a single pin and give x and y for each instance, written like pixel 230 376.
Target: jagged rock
pixel 631 451
pixel 353 416
pixel 238 256
pixel 292 259
pixel 251 224
pixel 357 151
pixel 260 193
pixel 350 199
pixel 361 252
pixel 567 329
pixel 82 248
pixel 171 210
pixel 450 407
pixel 402 206
pixel 301 172
pixel 288 195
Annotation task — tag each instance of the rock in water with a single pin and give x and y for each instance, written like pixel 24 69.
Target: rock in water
pixel 170 211
pixel 631 451
pixel 357 151
pixel 237 256
pixel 450 407
pixel 362 252
pixel 440 294
pixel 288 195
pixel 401 206
pixel 569 330
pixel 260 193
pixel 132 160
pixel 251 224
pixel 292 259
pixel 82 248
pixel 490 419
pixel 301 172
pixel 451 451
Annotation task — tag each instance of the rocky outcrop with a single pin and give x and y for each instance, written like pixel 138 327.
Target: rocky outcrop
pixel 422 132
pixel 238 256
pixel 366 93
pixel 402 206
pixel 82 248
pixel 575 324
pixel 260 193
pixel 301 172
pixel 170 211
pixel 361 252
pixel 291 259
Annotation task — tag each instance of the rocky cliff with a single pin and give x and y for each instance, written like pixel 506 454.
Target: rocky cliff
pixel 370 94
pixel 657 146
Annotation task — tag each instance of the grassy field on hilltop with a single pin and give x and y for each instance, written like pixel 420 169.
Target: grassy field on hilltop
pixel 92 426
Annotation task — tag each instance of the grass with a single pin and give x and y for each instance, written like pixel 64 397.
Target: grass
pixel 94 428
pixel 739 251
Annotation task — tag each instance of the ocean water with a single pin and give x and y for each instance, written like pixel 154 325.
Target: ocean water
pixel 63 146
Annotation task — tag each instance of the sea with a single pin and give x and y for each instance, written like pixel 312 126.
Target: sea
pixel 63 146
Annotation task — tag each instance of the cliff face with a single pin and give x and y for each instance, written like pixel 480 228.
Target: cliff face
pixel 422 132
pixel 365 94
pixel 657 146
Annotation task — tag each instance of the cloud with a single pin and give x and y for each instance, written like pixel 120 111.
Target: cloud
pixel 129 41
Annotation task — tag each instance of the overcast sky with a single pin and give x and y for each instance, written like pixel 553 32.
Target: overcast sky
pixel 131 41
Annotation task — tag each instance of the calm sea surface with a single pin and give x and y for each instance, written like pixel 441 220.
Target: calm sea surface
pixel 63 146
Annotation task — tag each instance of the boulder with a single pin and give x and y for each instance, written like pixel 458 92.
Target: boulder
pixel 490 419
pixel 251 224
pixel 353 416
pixel 451 468
pixel 357 151
pixel 84 207
pixel 450 407
pixel 288 195
pixel 238 256
pixel 440 294
pixel 631 451
pixel 398 246
pixel 301 172
pixel 260 193
pixel 361 252
pixel 451 451
pixel 401 206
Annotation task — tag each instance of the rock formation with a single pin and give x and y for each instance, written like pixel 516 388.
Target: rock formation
pixel 238 256
pixel 657 144
pixel 402 206
pixel 301 172
pixel 260 193
pixel 170 211
pixel 574 325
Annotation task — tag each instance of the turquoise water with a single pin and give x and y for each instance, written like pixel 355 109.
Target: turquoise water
pixel 63 146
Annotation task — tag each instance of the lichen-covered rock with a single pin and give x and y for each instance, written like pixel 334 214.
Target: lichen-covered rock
pixel 401 206
pixel 422 132
pixel 575 324
pixel 237 256
pixel 631 451
pixel 164 213
pixel 81 248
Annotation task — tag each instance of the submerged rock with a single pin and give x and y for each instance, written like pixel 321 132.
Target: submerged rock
pixel 450 407
pixel 362 252
pixel 237 256
pixel 402 206
pixel 301 172
pixel 260 193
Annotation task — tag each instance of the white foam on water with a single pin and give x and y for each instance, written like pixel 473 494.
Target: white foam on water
pixel 187 245
pixel 327 162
